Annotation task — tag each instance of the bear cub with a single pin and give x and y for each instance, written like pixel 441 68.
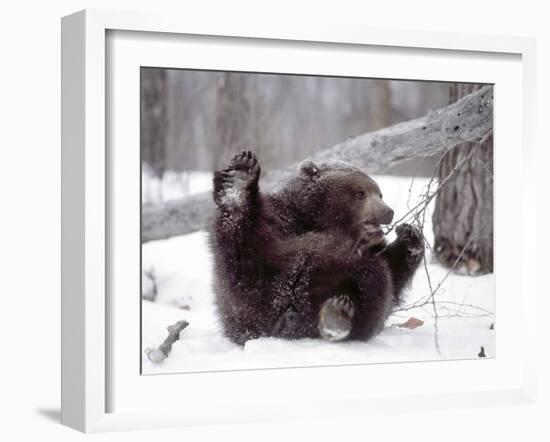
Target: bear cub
pixel 310 259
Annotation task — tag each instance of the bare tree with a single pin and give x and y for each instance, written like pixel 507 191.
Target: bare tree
pixel 380 112
pixel 463 215
pixel 233 113
pixel 154 119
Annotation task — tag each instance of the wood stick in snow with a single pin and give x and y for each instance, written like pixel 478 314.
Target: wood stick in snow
pixel 161 353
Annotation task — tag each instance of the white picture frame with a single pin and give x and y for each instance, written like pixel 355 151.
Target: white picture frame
pixel 87 355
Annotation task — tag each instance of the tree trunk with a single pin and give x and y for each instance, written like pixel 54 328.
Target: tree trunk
pixel 380 116
pixel 232 117
pixel 463 215
pixel 154 119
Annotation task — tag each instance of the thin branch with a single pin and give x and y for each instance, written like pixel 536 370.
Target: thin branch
pixel 419 208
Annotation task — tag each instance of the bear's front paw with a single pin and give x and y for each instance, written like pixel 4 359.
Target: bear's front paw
pixel 242 175
pixel 244 170
pixel 369 236
pixel 412 238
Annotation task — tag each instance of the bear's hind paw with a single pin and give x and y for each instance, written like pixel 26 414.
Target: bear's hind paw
pixel 335 318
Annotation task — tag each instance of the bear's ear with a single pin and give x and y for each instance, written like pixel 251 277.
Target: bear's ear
pixel 310 169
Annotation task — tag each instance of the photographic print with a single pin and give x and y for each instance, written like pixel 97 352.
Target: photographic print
pixel 305 220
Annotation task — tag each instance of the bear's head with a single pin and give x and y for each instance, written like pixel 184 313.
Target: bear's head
pixel 338 196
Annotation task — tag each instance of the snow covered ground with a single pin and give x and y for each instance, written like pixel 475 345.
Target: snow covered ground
pixel 182 271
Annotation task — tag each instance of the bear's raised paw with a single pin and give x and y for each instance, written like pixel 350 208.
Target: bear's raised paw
pixel 242 175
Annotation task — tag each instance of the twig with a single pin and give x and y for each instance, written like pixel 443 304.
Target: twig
pixel 433 291
pixel 157 355
pixel 484 165
pixel 419 208
pixel 462 305
pixel 434 307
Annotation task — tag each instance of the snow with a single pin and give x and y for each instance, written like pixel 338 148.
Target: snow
pixel 173 185
pixel 231 197
pixel 183 274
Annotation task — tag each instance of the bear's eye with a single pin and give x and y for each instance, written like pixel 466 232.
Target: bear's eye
pixel 360 195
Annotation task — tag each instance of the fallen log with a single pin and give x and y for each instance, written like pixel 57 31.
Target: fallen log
pixel 468 119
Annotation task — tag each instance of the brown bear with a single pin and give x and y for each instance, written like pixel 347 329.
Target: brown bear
pixel 309 260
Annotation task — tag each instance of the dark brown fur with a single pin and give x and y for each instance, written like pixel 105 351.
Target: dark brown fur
pixel 278 257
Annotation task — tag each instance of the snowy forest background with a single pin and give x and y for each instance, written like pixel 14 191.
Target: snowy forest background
pixel 193 122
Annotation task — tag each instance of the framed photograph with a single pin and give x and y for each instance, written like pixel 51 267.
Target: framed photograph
pixel 265 222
